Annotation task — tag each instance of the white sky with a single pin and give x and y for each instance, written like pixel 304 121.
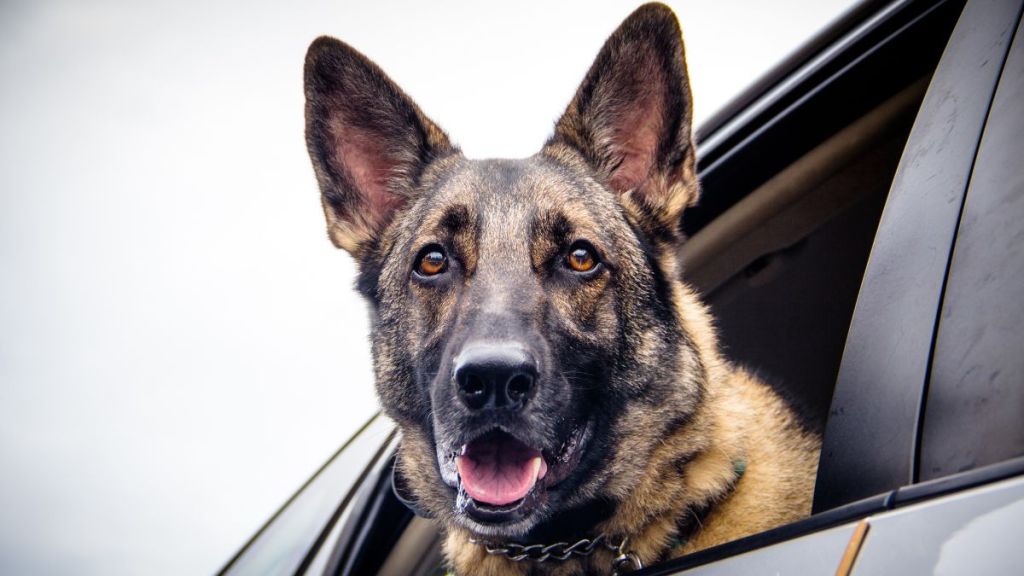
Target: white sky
pixel 180 347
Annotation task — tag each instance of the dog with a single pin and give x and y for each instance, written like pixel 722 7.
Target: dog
pixel 553 378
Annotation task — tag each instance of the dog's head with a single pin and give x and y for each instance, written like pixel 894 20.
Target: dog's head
pixel 526 333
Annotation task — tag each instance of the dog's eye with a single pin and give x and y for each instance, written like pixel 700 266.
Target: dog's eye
pixel 432 261
pixel 581 257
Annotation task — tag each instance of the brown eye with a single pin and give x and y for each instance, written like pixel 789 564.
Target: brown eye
pixel 581 258
pixel 432 262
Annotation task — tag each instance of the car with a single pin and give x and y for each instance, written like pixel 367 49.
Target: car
pixel 861 243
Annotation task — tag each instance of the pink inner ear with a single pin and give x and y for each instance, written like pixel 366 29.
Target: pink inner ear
pixel 636 148
pixel 370 168
pixel 636 139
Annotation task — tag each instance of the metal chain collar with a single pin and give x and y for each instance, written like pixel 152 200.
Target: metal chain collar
pixel 625 560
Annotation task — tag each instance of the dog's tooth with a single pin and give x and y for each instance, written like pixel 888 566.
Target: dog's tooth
pixel 540 467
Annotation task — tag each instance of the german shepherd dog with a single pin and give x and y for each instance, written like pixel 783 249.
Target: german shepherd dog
pixel 553 378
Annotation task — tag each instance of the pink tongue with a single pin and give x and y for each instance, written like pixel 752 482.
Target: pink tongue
pixel 498 469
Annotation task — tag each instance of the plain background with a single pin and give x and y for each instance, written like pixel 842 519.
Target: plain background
pixel 180 347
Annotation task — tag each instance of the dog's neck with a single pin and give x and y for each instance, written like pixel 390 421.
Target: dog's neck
pixel 574 524
pixel 682 483
pixel 559 540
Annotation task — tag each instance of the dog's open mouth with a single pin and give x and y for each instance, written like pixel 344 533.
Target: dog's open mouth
pixel 497 469
pixel 503 477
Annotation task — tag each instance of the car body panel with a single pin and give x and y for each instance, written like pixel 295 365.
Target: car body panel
pixel 811 555
pixel 965 532
pixel 971 532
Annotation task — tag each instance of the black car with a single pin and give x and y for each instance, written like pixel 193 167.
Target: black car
pixel 861 242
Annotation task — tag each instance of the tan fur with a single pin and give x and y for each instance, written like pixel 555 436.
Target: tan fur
pixel 740 420
pixel 696 451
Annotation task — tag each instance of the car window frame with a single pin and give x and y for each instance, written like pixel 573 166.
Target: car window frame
pixel 288 542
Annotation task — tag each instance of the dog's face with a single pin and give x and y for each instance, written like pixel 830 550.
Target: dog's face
pixel 526 335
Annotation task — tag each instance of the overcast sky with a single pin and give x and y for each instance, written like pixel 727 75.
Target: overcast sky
pixel 180 347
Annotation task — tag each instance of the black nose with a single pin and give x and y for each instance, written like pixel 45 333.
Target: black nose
pixel 495 376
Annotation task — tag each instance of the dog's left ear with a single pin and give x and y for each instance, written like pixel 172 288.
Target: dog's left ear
pixel 630 120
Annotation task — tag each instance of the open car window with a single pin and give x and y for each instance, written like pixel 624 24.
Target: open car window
pixel 791 203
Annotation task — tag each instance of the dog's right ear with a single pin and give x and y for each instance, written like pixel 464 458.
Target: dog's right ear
pixel 368 141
